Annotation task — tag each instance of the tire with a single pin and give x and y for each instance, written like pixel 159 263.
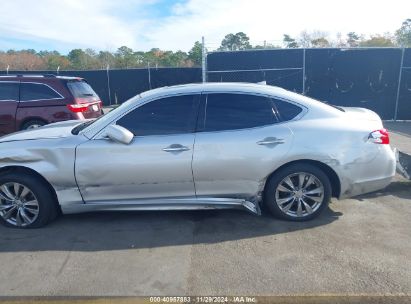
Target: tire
pixel 35 205
pixel 33 124
pixel 287 199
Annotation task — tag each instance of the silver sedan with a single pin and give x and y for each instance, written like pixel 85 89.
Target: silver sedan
pixel 197 146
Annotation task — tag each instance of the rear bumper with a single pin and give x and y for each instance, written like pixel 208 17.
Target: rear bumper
pixel 372 175
pixel 367 187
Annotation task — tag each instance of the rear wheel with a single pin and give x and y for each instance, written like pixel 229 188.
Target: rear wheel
pixel 33 124
pixel 299 192
pixel 25 201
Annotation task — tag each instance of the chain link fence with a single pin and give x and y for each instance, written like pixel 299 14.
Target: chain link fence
pixel 374 78
pixel 116 86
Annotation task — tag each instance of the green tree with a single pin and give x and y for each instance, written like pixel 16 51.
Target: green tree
pixel 378 41
pixel 178 58
pixel 77 59
pixel 83 60
pixel 289 42
pixel 267 46
pixel 195 54
pixel 320 42
pixel 235 42
pixel 140 58
pixel 403 34
pixel 105 59
pixel 353 40
pixel 29 51
pixel 45 53
pixel 54 61
pixel 153 57
pixel 125 57
pixel 166 59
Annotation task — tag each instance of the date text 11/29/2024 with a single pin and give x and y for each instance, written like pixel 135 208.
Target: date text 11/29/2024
pixel 204 299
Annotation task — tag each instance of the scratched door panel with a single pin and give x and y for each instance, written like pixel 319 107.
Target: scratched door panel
pixel 107 171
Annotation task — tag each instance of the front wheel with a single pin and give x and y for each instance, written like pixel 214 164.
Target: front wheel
pixel 25 201
pixel 299 192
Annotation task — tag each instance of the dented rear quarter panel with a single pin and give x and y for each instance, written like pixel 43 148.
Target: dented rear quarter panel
pixel 361 166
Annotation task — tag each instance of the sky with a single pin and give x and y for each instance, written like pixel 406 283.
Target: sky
pixel 63 25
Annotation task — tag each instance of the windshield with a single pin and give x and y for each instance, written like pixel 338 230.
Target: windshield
pixel 76 130
pixel 105 118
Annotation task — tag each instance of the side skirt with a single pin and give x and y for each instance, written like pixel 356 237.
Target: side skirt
pixel 164 204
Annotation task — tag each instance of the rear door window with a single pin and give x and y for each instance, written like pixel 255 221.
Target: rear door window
pixel 81 89
pixel 9 91
pixel 237 111
pixel 37 91
pixel 286 111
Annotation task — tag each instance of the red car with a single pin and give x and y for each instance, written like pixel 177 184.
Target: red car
pixel 31 101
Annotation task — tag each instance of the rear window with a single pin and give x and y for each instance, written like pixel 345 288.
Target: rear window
pixel 237 111
pixel 287 111
pixel 81 89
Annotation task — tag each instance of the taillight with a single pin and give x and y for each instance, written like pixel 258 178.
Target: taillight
pixel 78 108
pixel 380 137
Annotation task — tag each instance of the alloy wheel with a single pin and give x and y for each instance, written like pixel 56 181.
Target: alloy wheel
pixel 299 194
pixel 18 204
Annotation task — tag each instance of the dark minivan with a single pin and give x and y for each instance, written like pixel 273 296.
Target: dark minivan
pixel 31 101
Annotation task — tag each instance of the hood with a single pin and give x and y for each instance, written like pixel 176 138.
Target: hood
pixel 361 114
pixel 55 130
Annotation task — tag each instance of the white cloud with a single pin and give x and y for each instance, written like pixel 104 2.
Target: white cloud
pixel 108 24
pixel 269 20
pixel 69 22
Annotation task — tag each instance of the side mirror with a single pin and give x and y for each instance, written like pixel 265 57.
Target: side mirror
pixel 119 134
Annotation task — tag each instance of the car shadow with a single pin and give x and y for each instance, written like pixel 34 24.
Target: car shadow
pixel 400 189
pixel 100 231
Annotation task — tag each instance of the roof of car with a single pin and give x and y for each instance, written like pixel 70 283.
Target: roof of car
pixel 37 76
pixel 215 87
pixel 238 87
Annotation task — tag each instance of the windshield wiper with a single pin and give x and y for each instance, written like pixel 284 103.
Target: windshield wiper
pixel 76 130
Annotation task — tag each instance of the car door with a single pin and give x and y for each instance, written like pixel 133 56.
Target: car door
pixel 9 99
pixel 157 164
pixel 240 141
pixel 39 102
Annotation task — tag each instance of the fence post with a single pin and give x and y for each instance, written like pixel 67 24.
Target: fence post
pixel 149 75
pixel 399 85
pixel 203 60
pixel 108 83
pixel 304 71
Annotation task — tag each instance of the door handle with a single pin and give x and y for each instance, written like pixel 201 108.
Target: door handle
pixel 176 148
pixel 270 141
